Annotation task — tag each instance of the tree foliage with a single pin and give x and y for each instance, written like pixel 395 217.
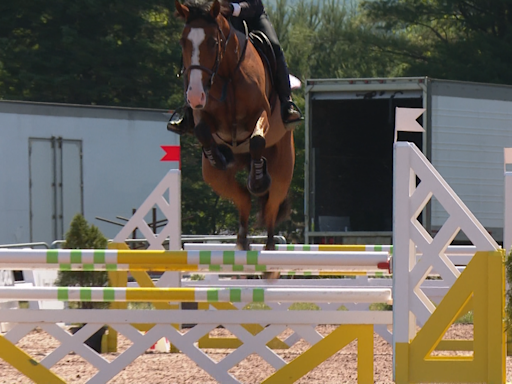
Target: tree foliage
pixel 127 54
pixel 203 212
pixel 89 52
pixel 81 235
pixel 329 39
pixel 453 39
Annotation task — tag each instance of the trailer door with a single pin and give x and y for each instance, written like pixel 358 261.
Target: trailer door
pixel 351 164
pixel 56 192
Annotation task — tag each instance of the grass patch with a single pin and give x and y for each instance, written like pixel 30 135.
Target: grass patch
pixel 140 306
pixel 465 319
pixel 380 307
pixel 257 306
pixel 304 307
pixel 293 307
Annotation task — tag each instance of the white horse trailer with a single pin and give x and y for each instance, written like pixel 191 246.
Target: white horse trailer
pixel 349 162
pixel 57 160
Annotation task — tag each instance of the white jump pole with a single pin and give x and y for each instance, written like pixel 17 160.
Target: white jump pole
pixel 114 257
pixel 209 295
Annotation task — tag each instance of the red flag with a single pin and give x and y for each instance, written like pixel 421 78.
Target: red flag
pixel 172 153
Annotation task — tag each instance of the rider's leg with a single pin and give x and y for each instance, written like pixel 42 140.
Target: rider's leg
pixel 181 121
pixel 289 111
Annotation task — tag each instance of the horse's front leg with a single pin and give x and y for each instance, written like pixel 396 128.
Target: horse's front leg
pixel 225 185
pixel 259 179
pixel 217 158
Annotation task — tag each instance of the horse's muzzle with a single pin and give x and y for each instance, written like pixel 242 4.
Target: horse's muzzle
pixel 197 100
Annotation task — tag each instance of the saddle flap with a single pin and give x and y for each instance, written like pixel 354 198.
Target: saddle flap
pixel 265 50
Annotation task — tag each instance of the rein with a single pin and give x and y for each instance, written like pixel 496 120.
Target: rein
pixel 234 142
pixel 218 58
pixel 213 72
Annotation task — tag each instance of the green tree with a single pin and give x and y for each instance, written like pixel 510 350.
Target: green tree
pixel 203 212
pixel 329 39
pixel 127 54
pixel 454 39
pixel 323 39
pixel 90 52
pixel 81 235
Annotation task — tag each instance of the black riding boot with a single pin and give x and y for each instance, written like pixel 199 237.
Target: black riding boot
pixel 181 121
pixel 290 113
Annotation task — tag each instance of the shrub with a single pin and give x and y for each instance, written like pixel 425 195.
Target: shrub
pixel 81 235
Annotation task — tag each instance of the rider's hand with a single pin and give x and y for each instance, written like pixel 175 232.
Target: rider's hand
pixel 226 8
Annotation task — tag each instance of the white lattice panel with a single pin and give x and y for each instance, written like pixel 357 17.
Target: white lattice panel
pixel 300 322
pixel 410 300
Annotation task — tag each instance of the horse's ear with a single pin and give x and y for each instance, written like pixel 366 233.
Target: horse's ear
pixel 215 9
pixel 181 10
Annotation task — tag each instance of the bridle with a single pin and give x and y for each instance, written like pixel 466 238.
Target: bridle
pixel 213 71
pixel 218 59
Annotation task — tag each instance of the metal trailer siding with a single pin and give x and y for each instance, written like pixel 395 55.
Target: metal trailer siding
pixel 121 159
pixel 343 88
pixel 467 126
pixel 471 124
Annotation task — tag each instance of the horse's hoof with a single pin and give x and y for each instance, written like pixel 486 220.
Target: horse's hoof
pixel 227 153
pixel 242 245
pixel 216 158
pixel 259 180
pixel 181 121
pixel 271 275
pixel 259 188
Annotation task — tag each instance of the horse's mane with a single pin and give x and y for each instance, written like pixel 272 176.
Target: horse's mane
pixel 199 9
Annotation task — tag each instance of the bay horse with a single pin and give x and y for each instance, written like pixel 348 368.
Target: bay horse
pixel 236 115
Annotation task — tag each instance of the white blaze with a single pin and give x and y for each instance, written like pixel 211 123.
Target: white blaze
pixel 195 92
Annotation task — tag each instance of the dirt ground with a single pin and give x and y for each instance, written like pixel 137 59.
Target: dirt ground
pixel 169 368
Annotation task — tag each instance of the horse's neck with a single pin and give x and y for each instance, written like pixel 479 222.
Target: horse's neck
pixel 245 52
pixel 234 52
pixel 242 70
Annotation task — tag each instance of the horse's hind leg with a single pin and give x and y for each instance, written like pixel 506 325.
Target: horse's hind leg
pixel 276 207
pixel 225 185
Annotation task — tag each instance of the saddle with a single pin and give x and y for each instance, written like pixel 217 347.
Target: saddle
pixel 266 52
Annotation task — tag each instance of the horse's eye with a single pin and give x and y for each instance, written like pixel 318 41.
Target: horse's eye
pixel 212 42
pixel 182 41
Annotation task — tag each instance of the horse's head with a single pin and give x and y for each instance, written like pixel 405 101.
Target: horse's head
pixel 203 44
